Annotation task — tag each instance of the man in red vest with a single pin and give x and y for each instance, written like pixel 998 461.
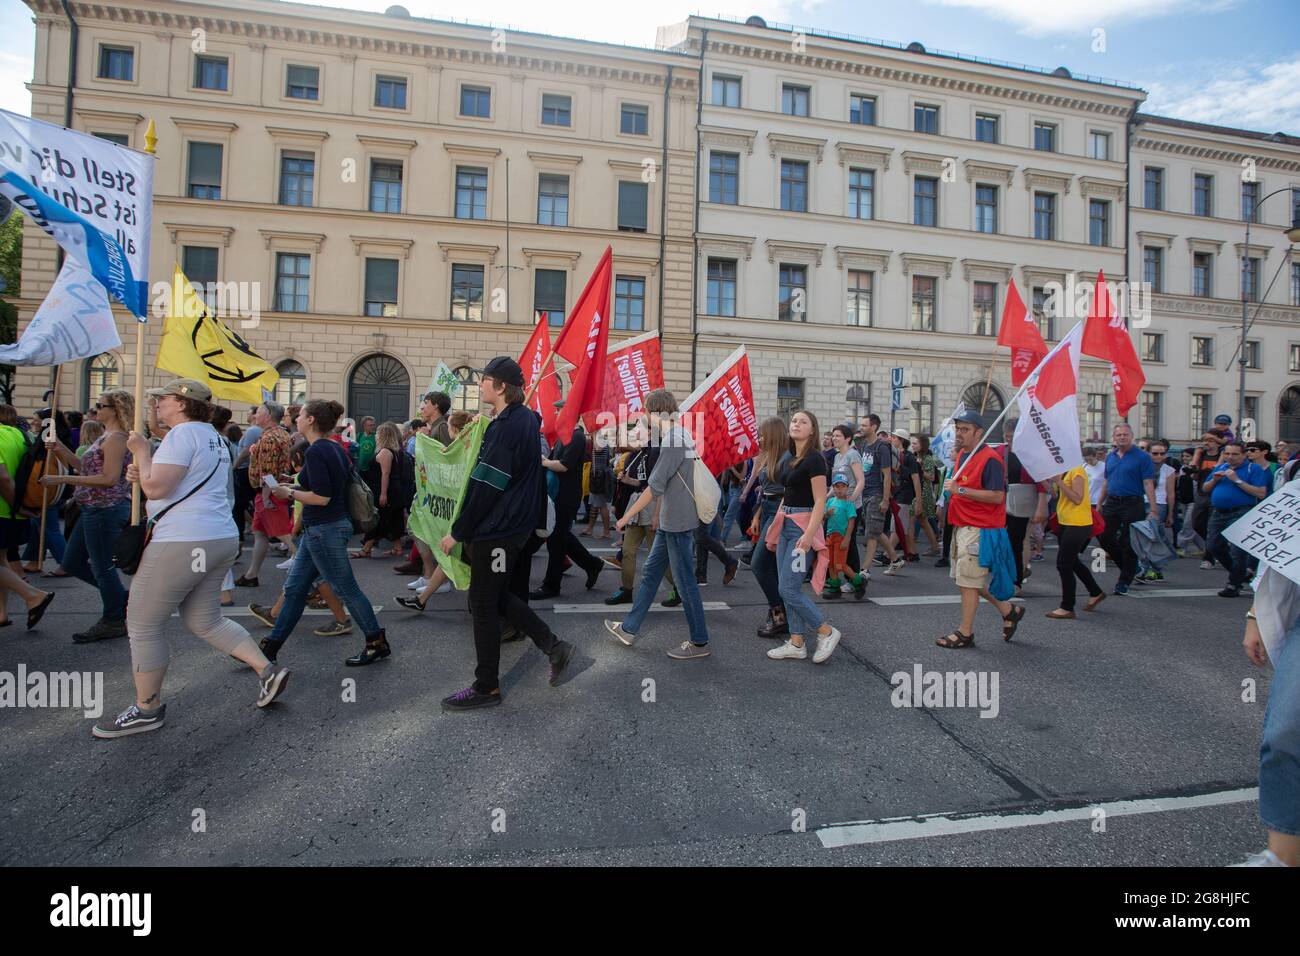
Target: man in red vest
pixel 976 501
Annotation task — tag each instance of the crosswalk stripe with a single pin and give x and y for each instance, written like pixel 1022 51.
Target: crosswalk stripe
pixel 1173 592
pixel 307 612
pixel 613 609
pixel 905 600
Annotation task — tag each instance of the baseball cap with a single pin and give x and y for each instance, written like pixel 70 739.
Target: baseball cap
pixel 839 479
pixel 504 369
pixel 1223 419
pixel 902 433
pixel 184 388
pixel 970 417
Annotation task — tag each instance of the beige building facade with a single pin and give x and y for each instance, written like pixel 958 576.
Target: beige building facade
pixel 383 192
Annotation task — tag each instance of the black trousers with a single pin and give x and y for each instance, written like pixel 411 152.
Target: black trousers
pixel 1073 540
pixel 1016 528
pixel 704 544
pixel 492 598
pixel 243 499
pixel 561 544
pixel 1120 513
pixel 947 534
pixel 523 567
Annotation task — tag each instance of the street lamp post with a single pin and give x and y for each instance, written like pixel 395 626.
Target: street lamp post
pixel 1292 234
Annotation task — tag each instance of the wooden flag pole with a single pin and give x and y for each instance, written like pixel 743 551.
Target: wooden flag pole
pixel 988 381
pixel 150 147
pixel 49 458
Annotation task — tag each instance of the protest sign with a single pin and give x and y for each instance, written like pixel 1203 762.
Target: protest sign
pixel 1270 531
pixel 441 474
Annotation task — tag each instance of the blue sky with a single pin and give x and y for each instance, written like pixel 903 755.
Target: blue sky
pixel 1235 62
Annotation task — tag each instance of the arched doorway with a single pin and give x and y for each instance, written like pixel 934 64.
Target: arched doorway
pixel 380 387
pixel 973 397
pixel 1288 415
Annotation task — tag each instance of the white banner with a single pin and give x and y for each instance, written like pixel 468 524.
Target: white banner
pixel 1270 531
pixel 1047 434
pixel 74 322
pixel 94 197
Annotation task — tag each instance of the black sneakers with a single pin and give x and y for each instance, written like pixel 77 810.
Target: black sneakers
pixel 469 699
pixel 621 596
pixel 560 658
pixel 133 720
pixel 99 631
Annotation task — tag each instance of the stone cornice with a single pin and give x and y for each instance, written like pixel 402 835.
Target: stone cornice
pixel 91 117
pixel 554 159
pixel 854 154
pixel 276 236
pixel 805 253
pixel 1047 178
pixel 304 135
pixel 179 231
pixel 1220 308
pixel 470 249
pixel 1032 274
pixel 1213 246
pixel 1105 188
pixel 386 142
pixel 382 244
pixel 983 169
pixel 1146 238
pixel 465 151
pixel 911 260
pixel 203 125
pixel 723 138
pixel 1214 154
pixel 1259 252
pixel 568 258
pixel 854 258
pixel 713 244
pixel 983 269
pixel 795 145
pixel 914 162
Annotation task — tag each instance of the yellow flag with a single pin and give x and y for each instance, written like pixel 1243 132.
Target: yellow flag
pixel 196 344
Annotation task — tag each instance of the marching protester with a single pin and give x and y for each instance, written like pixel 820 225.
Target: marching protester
pixel 366 446
pixel 706 543
pixel 773 453
pixel 435 580
pixel 1150 569
pixel 598 487
pixel 503 499
pixel 671 486
pixel 795 534
pixel 1074 531
pixel 268 456
pixel 644 524
pixel 931 478
pixel 386 477
pixel 1129 483
pixel 1235 486
pixel 103 496
pixel 194 541
pixel 904 507
pixel 1026 502
pixel 848 462
pixel 877 491
pixel 13 529
pixel 981 561
pixel 326 528
pixel 565 462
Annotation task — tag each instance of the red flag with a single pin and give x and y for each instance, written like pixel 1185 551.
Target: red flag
pixel 1019 332
pixel 1055 380
pixel 1106 337
pixel 720 415
pixel 533 362
pixel 584 342
pixel 634 368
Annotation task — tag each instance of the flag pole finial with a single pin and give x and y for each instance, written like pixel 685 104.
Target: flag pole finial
pixel 151 139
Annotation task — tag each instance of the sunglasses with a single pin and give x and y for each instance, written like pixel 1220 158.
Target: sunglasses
pixel 98 406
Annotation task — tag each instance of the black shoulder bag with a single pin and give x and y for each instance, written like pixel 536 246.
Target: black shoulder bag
pixel 129 549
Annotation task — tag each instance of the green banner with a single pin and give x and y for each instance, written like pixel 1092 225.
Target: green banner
pixel 441 474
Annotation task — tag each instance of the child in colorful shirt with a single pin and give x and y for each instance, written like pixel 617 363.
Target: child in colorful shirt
pixel 839 535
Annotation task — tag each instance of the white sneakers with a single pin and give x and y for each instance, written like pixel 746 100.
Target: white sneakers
pixel 285 565
pixel 788 652
pixel 419 584
pixel 826 644
pixel 1263 858
pixel 616 629
pixel 895 566
pixel 846 588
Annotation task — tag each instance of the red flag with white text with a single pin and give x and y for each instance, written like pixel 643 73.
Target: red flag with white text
pixel 533 362
pixel 1019 332
pixel 1047 432
pixel 1106 337
pixel 720 414
pixel 583 343
pixel 633 368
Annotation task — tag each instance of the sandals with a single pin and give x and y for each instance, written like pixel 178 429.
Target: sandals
pixel 244 581
pixel 1094 601
pixel 1060 614
pixel 956 639
pixel 35 614
pixel 55 574
pixel 357 555
pixel 1012 621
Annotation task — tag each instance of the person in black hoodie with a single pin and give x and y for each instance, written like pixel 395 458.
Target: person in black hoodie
pixel 502 501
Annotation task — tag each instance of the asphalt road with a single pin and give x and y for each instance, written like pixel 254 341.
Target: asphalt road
pixel 737 759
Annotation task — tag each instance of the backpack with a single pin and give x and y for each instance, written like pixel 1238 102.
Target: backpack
pixel 27 481
pixel 360 499
pixel 405 468
pixel 705 490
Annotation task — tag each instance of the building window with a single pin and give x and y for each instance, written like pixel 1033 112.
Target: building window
pixel 385 186
pixel 1153 267
pixel 721 294
pixel 925 119
pixel 1202 274
pixel 1152 409
pixel 297 176
pixel 1203 195
pixel 859 297
pixel 1045 137
pixel 1252 354
pixel 986 208
pixel 101 376
pixel 983 308
pixel 557 109
pixel 381 287
pixel 1293 362
pixel 794 185
pixel 862 109
pixel 205 171
pixel 302 83
pixel 471 192
pixel 792 295
pixel 794 99
pixel 1200 421
pixel 1202 354
pixel 789 396
pixel 211 73
pixel 1295 283
pixel 1098 145
pixel 1250 202
pixel 467 293
pixel 923 410
pixel 1250 408
pixel 724 178
pixel 549 295
pixel 858 396
pixel 1153 188
pixel 291 389
pixel 199 263
pixel 862 194
pixel 923 303
pixel 1153 346
pixel 390 92
pixel 1096 416
pixel 726 90
pixel 634 119
pixel 925 201
pixel 552 200
pixel 629 303
pixel 633 199
pixel 1044 215
pixel 1042 315
pixel 1250 280
pixel 986 128
pixel 292 282
pixel 476 101
pixel 116 63
pixel 1098 223
pixel 121 139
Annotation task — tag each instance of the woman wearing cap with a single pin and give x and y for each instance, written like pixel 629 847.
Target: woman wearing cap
pixel 194 542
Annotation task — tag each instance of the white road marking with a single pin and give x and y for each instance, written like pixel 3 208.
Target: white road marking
pixel 1173 592
pixel 308 612
pixel 613 609
pixel 934 825
pixel 905 600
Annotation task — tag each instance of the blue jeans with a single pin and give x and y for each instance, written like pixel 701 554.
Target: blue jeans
pixel 323 552
pixel 1279 748
pixel 730 511
pixel 675 548
pixel 763 562
pixel 801 614
pixel 55 543
pixel 89 555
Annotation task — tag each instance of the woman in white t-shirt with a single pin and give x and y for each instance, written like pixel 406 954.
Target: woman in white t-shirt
pixel 194 542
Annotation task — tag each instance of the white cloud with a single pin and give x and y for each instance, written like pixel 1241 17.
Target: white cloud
pixel 1043 17
pixel 15 73
pixel 1259 97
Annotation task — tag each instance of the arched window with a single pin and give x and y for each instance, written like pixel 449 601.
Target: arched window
pixel 1288 415
pixel 101 375
pixel 466 397
pixel 973 398
pixel 291 389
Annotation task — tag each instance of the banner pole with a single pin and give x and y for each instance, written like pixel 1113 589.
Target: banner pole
pixel 988 380
pixel 150 147
pixel 49 458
